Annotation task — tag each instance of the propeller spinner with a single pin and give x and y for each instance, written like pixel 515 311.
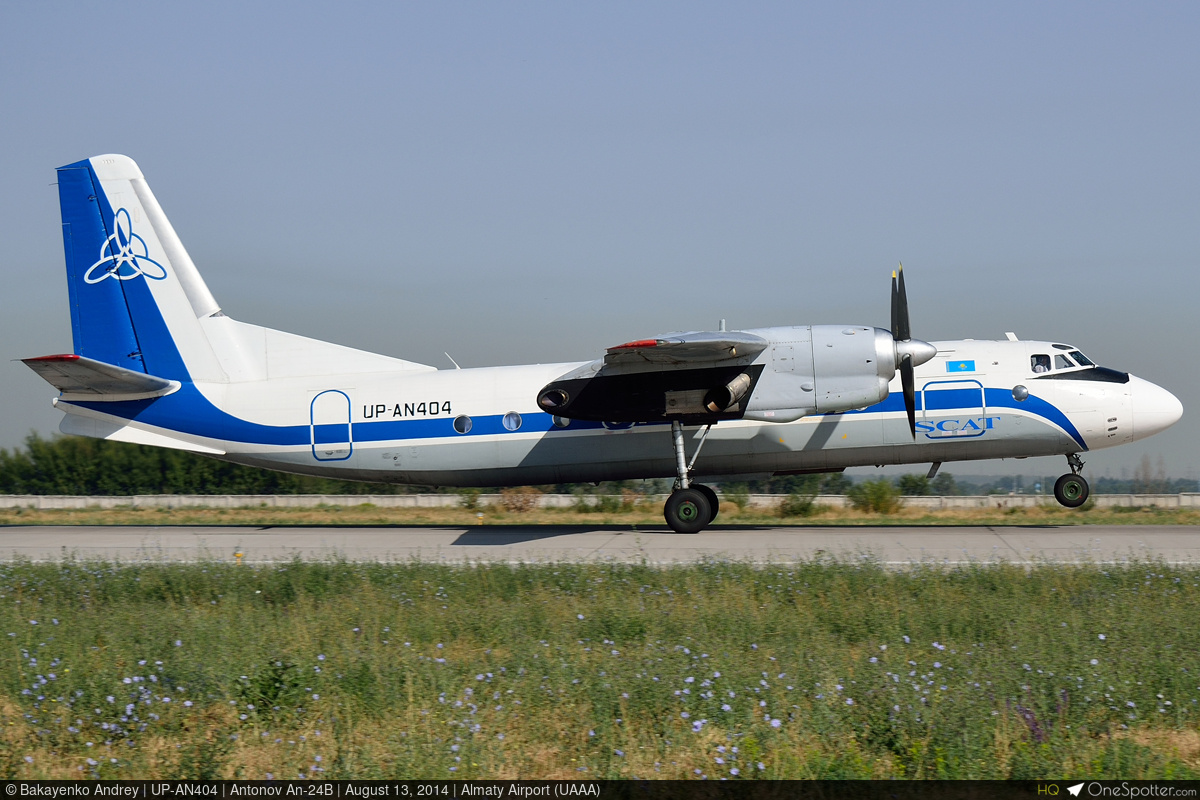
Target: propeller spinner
pixel 910 352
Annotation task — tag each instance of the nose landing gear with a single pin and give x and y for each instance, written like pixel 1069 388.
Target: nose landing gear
pixel 1072 490
pixel 691 506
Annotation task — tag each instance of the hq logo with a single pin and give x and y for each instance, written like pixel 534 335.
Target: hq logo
pixel 124 255
pixel 959 428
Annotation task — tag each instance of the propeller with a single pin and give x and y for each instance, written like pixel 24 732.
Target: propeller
pixel 909 351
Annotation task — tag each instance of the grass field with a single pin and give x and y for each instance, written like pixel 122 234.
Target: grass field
pixel 648 513
pixel 826 669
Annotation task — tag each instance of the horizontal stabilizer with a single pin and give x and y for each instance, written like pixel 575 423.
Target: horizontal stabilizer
pixel 82 378
pixel 686 348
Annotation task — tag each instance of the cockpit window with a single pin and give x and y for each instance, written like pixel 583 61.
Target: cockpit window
pixel 1040 363
pixel 1082 360
pixel 1062 362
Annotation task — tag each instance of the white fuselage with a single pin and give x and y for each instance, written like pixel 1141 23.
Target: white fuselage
pixel 482 427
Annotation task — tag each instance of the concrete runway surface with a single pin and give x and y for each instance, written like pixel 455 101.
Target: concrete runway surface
pixel 654 545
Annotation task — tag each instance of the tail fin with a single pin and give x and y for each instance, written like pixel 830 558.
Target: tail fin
pixel 138 302
pixel 136 297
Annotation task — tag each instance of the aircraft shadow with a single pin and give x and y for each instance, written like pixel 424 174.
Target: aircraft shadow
pixel 496 535
pixel 486 535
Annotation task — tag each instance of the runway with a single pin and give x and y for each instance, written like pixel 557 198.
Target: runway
pixel 898 546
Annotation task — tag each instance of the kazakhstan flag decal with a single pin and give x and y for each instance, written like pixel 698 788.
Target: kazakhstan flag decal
pixel 960 366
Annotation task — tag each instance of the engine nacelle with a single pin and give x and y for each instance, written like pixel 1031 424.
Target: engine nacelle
pixel 819 369
pixel 852 366
pixel 769 374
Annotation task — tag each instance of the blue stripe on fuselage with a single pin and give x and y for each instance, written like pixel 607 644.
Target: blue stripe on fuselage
pixel 969 399
pixel 1003 398
pixel 190 412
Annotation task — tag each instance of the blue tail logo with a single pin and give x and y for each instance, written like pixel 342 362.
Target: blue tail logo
pixel 124 255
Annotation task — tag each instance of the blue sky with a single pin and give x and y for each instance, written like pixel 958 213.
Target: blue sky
pixel 534 182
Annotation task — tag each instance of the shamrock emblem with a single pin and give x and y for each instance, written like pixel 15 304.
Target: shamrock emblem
pixel 124 255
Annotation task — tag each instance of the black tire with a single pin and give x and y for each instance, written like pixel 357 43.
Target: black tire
pixel 687 511
pixel 1071 490
pixel 714 505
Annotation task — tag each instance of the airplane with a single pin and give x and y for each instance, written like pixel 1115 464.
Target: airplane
pixel 156 362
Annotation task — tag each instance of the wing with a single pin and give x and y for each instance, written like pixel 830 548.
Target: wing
pixel 685 348
pixel 697 377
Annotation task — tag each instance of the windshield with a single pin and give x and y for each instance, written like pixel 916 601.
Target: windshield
pixel 1072 365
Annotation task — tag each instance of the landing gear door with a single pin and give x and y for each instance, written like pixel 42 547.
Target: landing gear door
pixel 953 410
pixel 329 426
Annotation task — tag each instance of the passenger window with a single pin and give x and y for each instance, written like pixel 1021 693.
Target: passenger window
pixel 1062 362
pixel 1082 360
pixel 1040 363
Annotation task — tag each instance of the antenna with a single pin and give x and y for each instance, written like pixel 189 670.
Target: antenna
pixel 452 361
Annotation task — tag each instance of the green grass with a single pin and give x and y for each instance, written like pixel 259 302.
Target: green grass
pixel 600 671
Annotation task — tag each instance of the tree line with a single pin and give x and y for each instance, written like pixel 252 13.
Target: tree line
pixel 81 466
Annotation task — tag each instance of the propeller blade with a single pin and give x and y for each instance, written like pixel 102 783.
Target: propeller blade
pixel 895 305
pixel 900 328
pixel 909 351
pixel 908 380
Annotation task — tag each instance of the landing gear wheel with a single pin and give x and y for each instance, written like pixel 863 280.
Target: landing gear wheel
pixel 687 511
pixel 1071 490
pixel 714 505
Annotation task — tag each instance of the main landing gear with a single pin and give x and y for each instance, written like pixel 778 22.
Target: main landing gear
pixel 1071 490
pixel 691 506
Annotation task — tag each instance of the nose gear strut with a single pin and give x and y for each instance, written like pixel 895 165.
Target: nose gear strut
pixel 1072 490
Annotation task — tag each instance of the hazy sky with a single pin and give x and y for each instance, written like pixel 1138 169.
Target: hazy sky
pixel 516 182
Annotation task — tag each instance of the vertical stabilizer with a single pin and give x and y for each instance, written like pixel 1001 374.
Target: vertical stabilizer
pixel 136 297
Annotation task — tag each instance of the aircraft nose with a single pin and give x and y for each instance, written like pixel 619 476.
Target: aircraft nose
pixel 1154 408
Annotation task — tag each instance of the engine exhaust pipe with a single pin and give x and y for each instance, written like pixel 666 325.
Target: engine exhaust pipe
pixel 553 399
pixel 724 397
